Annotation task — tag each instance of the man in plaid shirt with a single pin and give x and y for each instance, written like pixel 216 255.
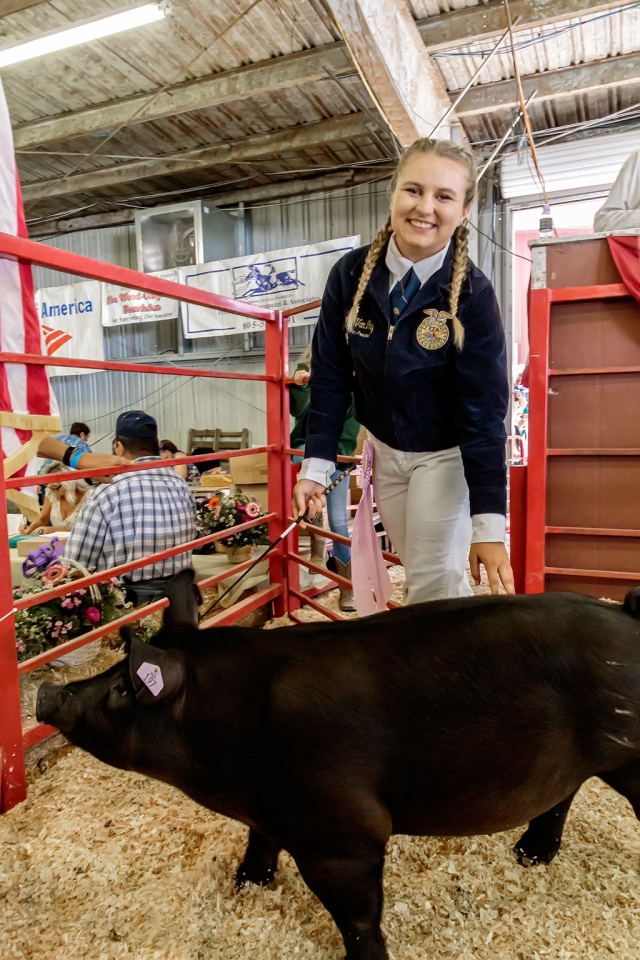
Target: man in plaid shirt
pixel 138 514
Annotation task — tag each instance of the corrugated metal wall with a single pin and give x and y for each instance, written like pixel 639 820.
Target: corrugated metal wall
pixel 178 404
pixel 341 213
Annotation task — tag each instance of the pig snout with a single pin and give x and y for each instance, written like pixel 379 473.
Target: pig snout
pixel 51 703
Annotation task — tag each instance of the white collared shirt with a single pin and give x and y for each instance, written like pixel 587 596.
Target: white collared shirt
pixel 487 527
pixel 399 265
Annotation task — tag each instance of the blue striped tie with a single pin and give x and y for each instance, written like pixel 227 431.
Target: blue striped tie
pixel 403 293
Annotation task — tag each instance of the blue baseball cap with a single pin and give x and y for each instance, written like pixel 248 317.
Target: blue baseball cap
pixel 138 424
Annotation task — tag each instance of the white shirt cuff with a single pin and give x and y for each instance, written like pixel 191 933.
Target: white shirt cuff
pixel 488 528
pixel 317 470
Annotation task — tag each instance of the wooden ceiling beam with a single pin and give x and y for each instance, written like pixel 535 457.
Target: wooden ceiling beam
pixel 268 191
pixel 487 20
pixel 7 7
pixel 266 76
pixel 569 81
pixel 272 144
pixel 444 31
pixel 394 65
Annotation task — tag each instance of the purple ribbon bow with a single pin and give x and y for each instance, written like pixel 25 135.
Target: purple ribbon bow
pixel 40 558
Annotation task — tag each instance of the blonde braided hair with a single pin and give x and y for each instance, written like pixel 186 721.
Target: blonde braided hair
pixel 374 252
pixel 449 151
pixel 459 272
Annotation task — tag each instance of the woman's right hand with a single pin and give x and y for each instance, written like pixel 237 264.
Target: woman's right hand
pixel 307 494
pixel 301 378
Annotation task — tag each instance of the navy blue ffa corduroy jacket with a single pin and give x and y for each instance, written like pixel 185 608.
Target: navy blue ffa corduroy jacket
pixel 413 398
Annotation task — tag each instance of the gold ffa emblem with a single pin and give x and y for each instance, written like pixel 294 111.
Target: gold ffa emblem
pixel 433 332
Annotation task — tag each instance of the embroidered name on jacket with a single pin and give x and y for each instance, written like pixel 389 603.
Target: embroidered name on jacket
pixel 363 328
pixel 433 331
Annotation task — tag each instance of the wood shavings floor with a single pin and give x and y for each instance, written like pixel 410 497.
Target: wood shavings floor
pixel 99 864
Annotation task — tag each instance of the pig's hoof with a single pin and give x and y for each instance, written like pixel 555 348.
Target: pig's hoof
pixel 530 851
pixel 245 876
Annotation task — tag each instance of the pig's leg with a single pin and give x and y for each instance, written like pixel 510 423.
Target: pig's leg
pixel 626 781
pixel 260 861
pixel 542 840
pixel 351 890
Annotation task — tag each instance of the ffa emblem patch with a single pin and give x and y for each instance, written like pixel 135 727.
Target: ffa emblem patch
pixel 433 332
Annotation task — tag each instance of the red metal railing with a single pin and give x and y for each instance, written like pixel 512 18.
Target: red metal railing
pixel 13 740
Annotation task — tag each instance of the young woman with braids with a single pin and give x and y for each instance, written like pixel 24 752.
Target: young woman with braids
pixel 412 328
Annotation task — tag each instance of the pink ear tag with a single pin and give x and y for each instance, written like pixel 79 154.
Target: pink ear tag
pixel 151 676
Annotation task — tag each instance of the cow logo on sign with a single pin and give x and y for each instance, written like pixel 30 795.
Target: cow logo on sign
pixel 260 279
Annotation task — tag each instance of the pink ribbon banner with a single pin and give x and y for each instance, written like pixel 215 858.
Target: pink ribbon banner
pixel 371 585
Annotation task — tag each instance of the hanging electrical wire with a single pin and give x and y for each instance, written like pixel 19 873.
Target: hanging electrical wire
pixel 546 223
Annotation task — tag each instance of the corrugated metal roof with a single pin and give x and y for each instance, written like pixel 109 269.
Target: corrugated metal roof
pixel 184 47
pixel 557 45
pixel 181 47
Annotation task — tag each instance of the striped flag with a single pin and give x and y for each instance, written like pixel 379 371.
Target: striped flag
pixel 28 407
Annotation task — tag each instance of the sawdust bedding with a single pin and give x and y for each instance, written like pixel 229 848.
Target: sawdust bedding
pixel 99 864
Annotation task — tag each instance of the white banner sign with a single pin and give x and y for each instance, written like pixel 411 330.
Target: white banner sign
pixel 122 305
pixel 279 279
pixel 70 318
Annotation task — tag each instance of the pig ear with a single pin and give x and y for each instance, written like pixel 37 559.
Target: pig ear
pixel 184 600
pixel 127 633
pixel 156 674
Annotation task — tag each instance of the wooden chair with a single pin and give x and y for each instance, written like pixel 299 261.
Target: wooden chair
pixel 201 441
pixel 232 440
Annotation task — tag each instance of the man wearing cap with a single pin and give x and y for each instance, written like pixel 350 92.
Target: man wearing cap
pixel 140 513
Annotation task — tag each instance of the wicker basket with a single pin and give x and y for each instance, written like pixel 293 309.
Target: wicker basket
pixel 90 650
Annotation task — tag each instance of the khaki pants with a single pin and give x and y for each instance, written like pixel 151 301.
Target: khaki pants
pixel 423 501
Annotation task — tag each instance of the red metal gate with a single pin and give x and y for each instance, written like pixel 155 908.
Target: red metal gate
pixel 582 513
pixel 13 740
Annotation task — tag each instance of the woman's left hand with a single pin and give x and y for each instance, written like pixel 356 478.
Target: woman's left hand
pixel 495 559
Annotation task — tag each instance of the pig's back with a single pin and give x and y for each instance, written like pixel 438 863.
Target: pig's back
pixel 495 708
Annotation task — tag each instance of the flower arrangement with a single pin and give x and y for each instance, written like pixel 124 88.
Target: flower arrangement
pixel 63 618
pixel 224 509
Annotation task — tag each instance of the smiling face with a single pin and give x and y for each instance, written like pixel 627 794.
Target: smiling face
pixel 427 204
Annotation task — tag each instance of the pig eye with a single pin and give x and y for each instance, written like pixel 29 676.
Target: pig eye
pixel 118 695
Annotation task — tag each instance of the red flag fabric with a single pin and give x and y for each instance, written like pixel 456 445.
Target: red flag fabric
pixel 28 407
pixel 626 254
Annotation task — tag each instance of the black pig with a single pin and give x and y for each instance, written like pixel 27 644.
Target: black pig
pixel 450 718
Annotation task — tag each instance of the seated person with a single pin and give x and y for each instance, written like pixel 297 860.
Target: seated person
pixel 62 503
pixel 140 513
pixel 77 437
pixel 188 471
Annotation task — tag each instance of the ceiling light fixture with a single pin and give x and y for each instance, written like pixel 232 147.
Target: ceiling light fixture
pixel 94 29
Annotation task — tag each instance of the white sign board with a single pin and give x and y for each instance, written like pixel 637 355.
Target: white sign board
pixel 279 280
pixel 70 317
pixel 122 305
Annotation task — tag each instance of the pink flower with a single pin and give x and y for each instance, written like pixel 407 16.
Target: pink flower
pixel 55 573
pixel 240 507
pixel 252 509
pixel 69 625
pixel 92 614
pixel 58 623
pixel 67 603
